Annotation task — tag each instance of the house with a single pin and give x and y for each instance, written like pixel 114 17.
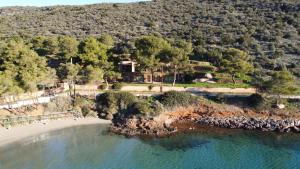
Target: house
pixel 128 71
pixel 131 73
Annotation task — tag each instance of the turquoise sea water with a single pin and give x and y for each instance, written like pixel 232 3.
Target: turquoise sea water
pixel 91 147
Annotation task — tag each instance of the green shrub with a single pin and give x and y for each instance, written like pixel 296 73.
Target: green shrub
pixel 81 101
pixel 175 99
pixel 117 86
pixel 59 104
pixel 142 108
pixel 111 103
pixel 147 108
pixel 256 100
pixel 157 108
pixel 85 110
pixel 220 98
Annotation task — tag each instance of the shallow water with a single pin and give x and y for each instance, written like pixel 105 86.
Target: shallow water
pixel 91 147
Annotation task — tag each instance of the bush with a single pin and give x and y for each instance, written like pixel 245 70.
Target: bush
pixel 220 98
pixel 142 108
pixel 111 103
pixel 175 99
pixel 117 86
pixel 59 104
pixel 81 101
pixel 148 108
pixel 85 110
pixel 256 100
pixel 157 108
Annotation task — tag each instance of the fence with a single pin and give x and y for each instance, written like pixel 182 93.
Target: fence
pixel 12 121
pixel 28 102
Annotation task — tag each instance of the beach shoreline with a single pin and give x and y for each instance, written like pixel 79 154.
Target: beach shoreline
pixel 17 133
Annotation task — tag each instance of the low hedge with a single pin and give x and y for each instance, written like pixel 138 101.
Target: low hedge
pixel 147 108
pixel 176 99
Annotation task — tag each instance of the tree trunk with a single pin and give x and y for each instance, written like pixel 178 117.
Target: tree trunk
pixel 70 88
pixel 74 90
pixel 7 100
pixel 152 76
pixel 95 94
pixel 106 81
pixel 162 79
pixel 174 78
pixel 233 78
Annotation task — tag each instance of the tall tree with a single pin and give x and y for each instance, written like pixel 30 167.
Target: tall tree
pixel 179 62
pixel 68 48
pixel 51 46
pixel 176 59
pixel 92 52
pixel 215 56
pixel 147 52
pixel 8 85
pixel 70 73
pixel 38 45
pixel 92 75
pixel 282 83
pixel 23 65
pixel 109 73
pixel 236 62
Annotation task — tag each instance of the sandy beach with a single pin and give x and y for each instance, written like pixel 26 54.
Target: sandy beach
pixel 16 133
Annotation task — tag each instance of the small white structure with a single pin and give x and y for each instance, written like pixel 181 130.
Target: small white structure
pixel 280 106
pixel 208 77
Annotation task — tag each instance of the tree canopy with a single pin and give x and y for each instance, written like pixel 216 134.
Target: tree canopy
pixel 236 62
pixel 282 83
pixel 23 66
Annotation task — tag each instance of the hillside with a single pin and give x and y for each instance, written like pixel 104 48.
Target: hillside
pixel 268 29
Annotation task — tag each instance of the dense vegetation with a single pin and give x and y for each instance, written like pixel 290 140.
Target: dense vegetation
pixel 247 42
pixel 268 29
pixel 114 105
pixel 120 105
pixel 40 62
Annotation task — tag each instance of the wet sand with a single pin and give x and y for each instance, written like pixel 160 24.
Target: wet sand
pixel 17 133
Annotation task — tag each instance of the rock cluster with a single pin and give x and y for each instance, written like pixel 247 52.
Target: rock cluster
pixel 286 125
pixel 151 127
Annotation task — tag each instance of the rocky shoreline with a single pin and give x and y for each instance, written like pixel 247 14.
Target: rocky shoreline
pixel 283 125
pixel 152 127
pixel 207 114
